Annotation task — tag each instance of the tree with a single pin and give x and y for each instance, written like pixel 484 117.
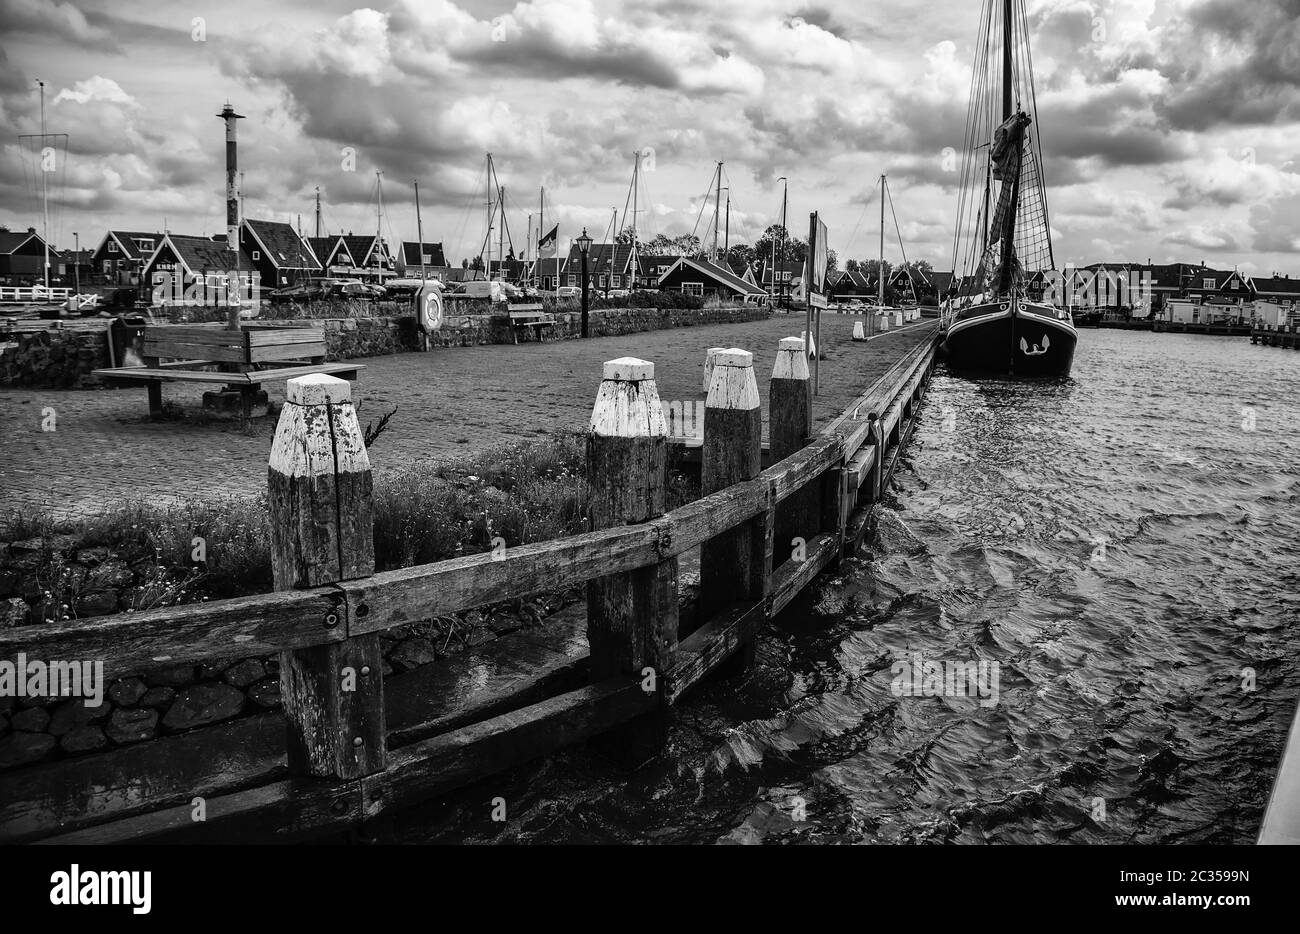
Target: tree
pixel 740 255
pixel 851 265
pixel 625 237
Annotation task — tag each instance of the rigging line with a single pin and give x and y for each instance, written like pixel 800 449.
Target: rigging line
pixel 978 70
pixel 899 234
pixel 703 204
pixel 1038 141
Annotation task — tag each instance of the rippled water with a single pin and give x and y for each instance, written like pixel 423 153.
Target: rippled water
pixel 1120 544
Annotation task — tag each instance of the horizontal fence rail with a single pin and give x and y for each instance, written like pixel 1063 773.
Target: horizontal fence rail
pixel 329 607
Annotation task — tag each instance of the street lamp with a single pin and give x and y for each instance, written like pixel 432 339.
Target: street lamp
pixel 584 244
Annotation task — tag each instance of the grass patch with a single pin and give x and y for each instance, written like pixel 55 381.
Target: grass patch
pixel 517 493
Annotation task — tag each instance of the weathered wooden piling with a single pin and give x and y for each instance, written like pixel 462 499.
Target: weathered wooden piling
pixel 736 564
pixel 321 507
pixel 631 617
pixel 790 423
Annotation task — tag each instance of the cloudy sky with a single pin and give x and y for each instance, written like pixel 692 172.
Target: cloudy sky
pixel 1170 128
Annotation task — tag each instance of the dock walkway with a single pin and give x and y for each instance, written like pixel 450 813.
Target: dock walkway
pixel 451 401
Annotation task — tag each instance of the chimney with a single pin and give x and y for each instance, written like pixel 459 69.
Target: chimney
pixel 232 161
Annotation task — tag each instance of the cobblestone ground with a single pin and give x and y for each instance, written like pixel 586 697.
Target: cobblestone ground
pixel 104 450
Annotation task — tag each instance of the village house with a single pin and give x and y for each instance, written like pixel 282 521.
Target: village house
pixel 74 265
pixel 415 256
pixel 547 274
pixel 702 278
pixel 22 257
pixel 280 256
pixel 179 263
pixel 120 257
pixel 789 279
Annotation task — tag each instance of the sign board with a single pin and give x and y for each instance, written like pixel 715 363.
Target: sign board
pixel 814 272
pixel 818 300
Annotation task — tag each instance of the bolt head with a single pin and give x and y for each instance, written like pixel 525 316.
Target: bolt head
pixel 358 741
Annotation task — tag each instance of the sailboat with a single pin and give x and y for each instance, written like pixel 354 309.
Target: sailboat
pixel 992 323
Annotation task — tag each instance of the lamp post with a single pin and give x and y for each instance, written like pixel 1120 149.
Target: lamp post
pixel 584 244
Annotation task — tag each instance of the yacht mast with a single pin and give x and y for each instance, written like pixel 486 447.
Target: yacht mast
pixel 880 270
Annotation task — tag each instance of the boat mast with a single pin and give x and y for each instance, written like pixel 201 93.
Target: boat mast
pixel 541 229
pixel 785 204
pixel 726 240
pixel 717 212
pixel 501 234
pixel 45 193
pixel 379 220
pixel 1006 60
pixel 634 262
pixel 880 270
pixel 419 229
pixel 318 210
pixel 487 264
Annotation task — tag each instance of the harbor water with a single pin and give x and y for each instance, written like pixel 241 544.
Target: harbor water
pixel 1124 545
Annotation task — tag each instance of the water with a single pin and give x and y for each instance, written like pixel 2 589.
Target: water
pixel 1124 545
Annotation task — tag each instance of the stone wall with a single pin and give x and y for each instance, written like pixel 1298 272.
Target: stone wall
pixel 54 359
pixel 64 358
pixel 58 577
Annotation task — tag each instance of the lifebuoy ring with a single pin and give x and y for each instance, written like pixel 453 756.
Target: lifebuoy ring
pixel 428 308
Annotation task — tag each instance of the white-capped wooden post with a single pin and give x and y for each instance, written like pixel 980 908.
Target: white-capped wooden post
pixel 734 566
pixel 322 531
pixel 789 408
pixel 631 617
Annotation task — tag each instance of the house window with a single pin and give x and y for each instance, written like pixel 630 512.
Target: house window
pixel 256 256
pixel 617 281
pixel 693 288
pixel 1207 283
pixel 601 282
pixel 573 280
pixel 144 245
pixel 112 246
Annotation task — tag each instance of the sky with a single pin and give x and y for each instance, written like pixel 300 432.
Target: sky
pixel 1170 129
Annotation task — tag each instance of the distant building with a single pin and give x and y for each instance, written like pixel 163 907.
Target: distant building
pixel 121 255
pixel 702 278
pixel 22 257
pixel 179 262
pixel 547 274
pixel 74 265
pixel 280 256
pixel 415 255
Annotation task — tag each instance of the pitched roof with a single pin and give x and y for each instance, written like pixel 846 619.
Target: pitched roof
pixel 324 247
pixel 359 248
pixel 411 253
pixel 12 240
pixel 1283 286
pixel 601 255
pixel 720 274
pixel 199 254
pixel 126 242
pixel 282 245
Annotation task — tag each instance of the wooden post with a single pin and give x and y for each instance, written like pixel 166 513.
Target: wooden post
pixel 734 566
pixel 789 409
pixel 631 617
pixel 322 531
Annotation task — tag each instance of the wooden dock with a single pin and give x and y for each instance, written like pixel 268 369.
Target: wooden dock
pixel 352 743
pixel 1280 336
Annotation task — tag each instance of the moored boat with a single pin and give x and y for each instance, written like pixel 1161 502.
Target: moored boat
pixel 993 320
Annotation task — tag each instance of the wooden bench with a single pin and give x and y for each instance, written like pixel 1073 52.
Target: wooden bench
pixel 530 316
pixel 239 353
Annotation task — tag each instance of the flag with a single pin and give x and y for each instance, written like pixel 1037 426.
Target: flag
pixel 546 246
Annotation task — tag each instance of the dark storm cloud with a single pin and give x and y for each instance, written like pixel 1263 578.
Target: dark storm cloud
pixel 54 18
pixel 1234 63
pixel 537 57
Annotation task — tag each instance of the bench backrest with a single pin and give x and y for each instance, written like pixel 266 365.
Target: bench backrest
pixel 248 345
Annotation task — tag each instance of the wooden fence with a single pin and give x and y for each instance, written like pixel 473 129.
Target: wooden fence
pixel 763 536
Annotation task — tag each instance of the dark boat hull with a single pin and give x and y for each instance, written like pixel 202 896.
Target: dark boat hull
pixel 1011 339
